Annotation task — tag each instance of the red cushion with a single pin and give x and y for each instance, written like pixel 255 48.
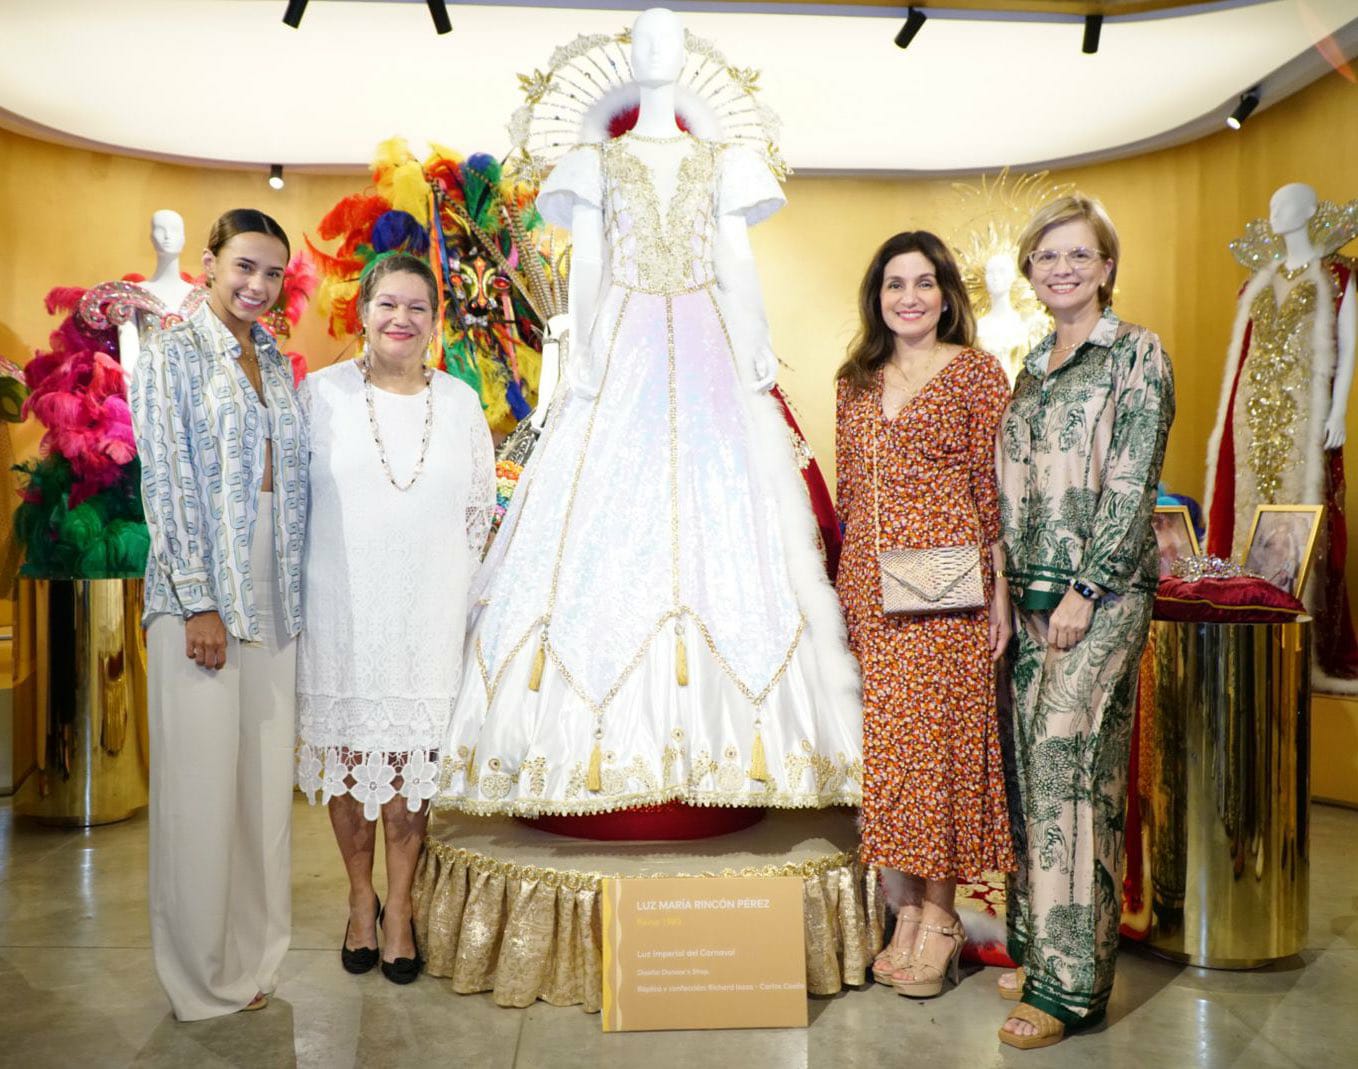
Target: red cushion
pixel 1237 600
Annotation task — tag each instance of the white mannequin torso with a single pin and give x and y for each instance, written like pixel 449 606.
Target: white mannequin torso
pixel 165 283
pixel 657 62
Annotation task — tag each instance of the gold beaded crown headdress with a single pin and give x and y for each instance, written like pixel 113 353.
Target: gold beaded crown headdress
pixel 587 94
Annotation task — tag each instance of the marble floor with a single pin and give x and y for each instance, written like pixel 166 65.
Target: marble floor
pixel 77 989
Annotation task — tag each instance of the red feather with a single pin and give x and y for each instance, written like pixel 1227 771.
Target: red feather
pixel 352 218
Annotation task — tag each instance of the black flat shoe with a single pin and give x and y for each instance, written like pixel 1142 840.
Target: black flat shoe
pixel 404 970
pixel 361 959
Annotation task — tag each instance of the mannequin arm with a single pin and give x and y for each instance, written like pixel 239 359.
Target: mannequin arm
pixel 571 330
pixel 742 304
pixel 587 274
pixel 1347 334
pixel 129 347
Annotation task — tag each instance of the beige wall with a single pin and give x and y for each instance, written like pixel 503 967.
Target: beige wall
pixel 69 216
pixel 73 217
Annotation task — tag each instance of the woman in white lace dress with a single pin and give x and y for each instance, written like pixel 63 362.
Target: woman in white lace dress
pixel 403 490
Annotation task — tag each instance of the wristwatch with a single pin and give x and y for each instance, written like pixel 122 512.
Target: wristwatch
pixel 1085 590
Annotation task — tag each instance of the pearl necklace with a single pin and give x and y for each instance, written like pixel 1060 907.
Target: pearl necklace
pixel 366 367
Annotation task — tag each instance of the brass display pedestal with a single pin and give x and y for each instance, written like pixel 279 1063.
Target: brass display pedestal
pixel 88 698
pixel 1228 756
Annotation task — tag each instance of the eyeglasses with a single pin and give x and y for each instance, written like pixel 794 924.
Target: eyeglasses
pixel 1078 258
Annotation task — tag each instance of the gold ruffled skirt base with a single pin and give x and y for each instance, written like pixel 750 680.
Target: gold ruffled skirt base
pixel 505 908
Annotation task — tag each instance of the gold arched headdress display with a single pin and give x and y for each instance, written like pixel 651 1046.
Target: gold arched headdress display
pixel 587 94
pixel 997 209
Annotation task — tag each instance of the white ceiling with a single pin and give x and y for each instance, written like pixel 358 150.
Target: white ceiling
pixel 225 82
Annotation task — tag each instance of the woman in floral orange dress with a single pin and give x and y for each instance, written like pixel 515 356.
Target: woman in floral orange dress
pixel 917 407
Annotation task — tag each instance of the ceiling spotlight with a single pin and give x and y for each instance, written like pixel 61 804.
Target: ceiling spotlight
pixel 1249 100
pixel 276 176
pixel 914 20
pixel 1093 27
pixel 293 15
pixel 438 11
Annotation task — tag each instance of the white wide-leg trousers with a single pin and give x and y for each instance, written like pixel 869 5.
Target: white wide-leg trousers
pixel 221 806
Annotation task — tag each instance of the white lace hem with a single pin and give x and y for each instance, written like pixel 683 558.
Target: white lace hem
pixel 374 777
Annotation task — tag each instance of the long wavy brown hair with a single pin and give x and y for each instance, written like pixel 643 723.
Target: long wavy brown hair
pixel 874 343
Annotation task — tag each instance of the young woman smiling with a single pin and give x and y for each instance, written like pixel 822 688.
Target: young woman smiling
pixel 916 412
pixel 403 491
pixel 223 450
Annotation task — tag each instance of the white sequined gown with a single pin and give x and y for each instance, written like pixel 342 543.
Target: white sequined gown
pixel 666 512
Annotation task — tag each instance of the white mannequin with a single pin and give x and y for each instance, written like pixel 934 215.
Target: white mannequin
pixel 1289 211
pixel 658 56
pixel 167 238
pixel 1001 330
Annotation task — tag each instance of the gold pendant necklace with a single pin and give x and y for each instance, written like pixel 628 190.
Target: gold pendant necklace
pixel 366 368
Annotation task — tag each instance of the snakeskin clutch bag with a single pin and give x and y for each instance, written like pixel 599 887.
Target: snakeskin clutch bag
pixel 918 581
pixel 943 579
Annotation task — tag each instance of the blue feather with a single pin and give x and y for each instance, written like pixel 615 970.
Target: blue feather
pixel 397 230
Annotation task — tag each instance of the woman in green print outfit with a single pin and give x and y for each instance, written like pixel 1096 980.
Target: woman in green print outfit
pixel 1079 457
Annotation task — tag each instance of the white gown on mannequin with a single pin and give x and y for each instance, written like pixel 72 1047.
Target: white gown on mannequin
pixel 664 514
pixel 385 583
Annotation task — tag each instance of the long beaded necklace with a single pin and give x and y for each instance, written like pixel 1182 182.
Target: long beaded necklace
pixel 366 368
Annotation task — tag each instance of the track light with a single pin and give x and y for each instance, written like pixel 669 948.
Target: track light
pixel 1093 27
pixel 1249 100
pixel 438 11
pixel 293 15
pixel 276 176
pixel 914 20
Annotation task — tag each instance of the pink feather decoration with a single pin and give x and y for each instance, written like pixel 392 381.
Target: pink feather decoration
pixel 78 392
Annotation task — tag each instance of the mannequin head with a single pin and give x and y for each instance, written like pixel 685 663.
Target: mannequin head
pixel 167 232
pixel 999 275
pixel 1291 208
pixel 657 47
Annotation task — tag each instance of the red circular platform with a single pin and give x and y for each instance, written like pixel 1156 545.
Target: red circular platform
pixel 669 820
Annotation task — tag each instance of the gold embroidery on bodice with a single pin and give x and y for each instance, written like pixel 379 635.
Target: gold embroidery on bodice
pixel 667 253
pixel 1277 389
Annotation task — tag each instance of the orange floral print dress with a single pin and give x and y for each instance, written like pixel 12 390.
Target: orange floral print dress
pixel 933 780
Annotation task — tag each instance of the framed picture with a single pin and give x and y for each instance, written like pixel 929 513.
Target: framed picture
pixel 1174 535
pixel 1282 540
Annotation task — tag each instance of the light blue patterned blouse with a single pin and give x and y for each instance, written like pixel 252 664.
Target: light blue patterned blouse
pixel 201 434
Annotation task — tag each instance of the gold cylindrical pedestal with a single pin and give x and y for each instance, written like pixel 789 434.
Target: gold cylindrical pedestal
pixel 89 700
pixel 1229 783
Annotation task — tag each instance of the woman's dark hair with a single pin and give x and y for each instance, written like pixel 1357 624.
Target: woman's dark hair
pixel 395 263
pixel 245 221
pixel 874 343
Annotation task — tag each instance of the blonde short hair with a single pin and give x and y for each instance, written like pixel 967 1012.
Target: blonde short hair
pixel 1066 210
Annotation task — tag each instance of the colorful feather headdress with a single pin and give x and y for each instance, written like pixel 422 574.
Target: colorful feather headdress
pixel 482 236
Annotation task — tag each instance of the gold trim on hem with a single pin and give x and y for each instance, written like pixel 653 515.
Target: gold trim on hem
pixel 594 806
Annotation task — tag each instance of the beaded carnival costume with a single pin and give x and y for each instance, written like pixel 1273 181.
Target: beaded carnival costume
pixel 1268 444
pixel 653 620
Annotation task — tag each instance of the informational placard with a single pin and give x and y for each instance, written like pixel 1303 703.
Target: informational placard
pixel 703 952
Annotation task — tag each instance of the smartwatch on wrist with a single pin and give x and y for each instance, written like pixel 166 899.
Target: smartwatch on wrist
pixel 1085 590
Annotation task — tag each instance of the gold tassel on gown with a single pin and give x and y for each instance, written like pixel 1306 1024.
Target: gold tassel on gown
pixel 759 769
pixel 680 659
pixel 594 780
pixel 539 663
